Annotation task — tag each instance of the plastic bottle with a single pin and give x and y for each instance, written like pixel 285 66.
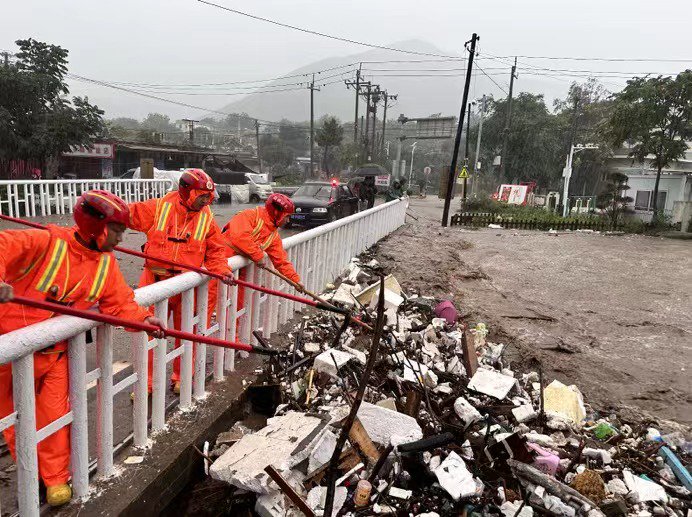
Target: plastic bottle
pixel 362 495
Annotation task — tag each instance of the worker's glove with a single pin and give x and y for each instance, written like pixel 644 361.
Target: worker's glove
pixel 6 292
pixel 229 279
pixel 151 320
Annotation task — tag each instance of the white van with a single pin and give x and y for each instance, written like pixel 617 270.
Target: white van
pixel 260 188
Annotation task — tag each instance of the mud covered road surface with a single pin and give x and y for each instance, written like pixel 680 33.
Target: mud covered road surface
pixel 611 314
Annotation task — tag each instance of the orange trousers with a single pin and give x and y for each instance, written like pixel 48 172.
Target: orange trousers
pixel 51 382
pixel 174 308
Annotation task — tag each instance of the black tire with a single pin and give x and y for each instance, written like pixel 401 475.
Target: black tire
pixel 254 198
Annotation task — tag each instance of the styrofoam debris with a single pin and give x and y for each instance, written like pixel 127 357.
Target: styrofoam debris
pixel 510 509
pixel 400 493
pixel 492 383
pixel 466 412
pixel 318 495
pixel 524 413
pixel 455 478
pixel 566 401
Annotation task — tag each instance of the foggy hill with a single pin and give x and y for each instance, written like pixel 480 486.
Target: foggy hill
pixel 418 96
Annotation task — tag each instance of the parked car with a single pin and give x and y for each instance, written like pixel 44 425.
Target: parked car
pixel 260 188
pixel 319 202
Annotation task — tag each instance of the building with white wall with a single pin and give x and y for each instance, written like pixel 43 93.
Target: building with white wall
pixel 675 186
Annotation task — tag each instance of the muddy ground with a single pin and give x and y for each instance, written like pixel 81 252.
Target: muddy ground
pixel 611 314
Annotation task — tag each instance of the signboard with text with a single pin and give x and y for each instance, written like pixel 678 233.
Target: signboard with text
pixel 382 180
pixel 97 150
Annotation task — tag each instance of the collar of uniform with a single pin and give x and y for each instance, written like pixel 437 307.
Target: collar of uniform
pixel 78 248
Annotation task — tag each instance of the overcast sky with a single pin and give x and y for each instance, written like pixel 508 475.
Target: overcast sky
pixel 179 41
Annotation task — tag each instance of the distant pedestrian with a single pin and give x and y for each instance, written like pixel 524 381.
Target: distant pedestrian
pixel 395 191
pixel 368 191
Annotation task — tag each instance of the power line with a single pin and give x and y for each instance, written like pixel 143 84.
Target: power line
pixel 607 59
pixel 170 101
pixel 493 80
pixel 322 34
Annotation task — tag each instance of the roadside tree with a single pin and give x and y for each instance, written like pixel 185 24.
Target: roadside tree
pixel 329 136
pixel 654 117
pixel 612 199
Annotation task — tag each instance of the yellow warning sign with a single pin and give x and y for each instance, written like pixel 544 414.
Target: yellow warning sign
pixel 464 173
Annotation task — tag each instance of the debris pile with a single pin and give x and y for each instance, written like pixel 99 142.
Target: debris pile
pixel 445 426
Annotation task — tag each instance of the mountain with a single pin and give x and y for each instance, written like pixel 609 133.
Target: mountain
pixel 418 96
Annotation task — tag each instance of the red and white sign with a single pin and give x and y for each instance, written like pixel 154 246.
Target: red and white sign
pixel 513 194
pixel 382 180
pixel 97 150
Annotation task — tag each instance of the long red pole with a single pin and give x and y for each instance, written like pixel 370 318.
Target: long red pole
pixel 138 325
pixel 202 271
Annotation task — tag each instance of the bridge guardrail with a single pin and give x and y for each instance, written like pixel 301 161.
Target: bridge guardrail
pixel 30 198
pixel 318 254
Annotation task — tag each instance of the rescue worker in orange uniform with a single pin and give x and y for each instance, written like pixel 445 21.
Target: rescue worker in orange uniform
pixel 254 231
pixel 70 266
pixel 180 227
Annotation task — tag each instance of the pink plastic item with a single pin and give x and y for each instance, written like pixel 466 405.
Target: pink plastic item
pixel 545 461
pixel 447 311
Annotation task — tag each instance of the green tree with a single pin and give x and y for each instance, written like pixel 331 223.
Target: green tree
pixel 275 153
pixel 37 120
pixel 611 199
pixel 534 141
pixel 654 116
pixel 329 135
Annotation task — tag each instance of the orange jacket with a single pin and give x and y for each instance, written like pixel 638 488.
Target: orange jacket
pixel 179 234
pixel 251 233
pixel 51 265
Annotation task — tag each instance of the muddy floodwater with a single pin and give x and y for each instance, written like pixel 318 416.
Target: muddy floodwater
pixel 611 314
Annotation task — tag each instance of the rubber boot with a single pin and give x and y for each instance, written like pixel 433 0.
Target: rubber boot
pixel 58 495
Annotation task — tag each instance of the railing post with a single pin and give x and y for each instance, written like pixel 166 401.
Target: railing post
pixel 221 313
pixel 140 361
pixel 79 434
pixel 104 400
pixel 255 321
pixel 186 325
pixel 25 429
pixel 201 348
pixel 232 326
pixel 158 398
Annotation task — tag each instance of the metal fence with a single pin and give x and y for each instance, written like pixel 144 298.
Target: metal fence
pixel 29 198
pixel 318 255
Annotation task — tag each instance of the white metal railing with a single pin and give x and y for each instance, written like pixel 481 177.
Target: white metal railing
pixel 318 254
pixel 29 198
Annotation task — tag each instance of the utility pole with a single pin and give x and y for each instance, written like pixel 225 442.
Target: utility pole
pixel 312 124
pixel 476 169
pixel 6 56
pixel 367 122
pixel 355 121
pixel 384 116
pixel 373 141
pixel 460 125
pixel 505 136
pixel 191 129
pixel 466 147
pixel 259 158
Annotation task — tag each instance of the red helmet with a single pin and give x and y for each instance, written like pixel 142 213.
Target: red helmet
pixel 94 210
pixel 194 183
pixel 279 207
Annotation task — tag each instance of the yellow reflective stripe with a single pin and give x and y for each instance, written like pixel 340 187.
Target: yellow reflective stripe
pixel 163 217
pixel 259 225
pixel 201 224
pixel 269 240
pixel 56 260
pixel 100 281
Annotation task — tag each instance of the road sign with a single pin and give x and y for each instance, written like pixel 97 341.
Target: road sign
pixel 464 173
pixel 382 180
pixel 427 171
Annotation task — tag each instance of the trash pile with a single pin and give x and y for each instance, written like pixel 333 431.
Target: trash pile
pixel 445 427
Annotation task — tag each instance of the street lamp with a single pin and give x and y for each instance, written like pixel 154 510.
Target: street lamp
pixel 410 171
pixel 567 174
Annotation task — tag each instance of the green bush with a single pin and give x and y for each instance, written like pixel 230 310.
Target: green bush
pixel 518 212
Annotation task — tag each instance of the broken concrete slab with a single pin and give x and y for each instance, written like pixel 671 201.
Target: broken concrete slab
pixel 242 465
pixel 324 362
pixel 383 425
pixel 492 383
pixel 344 295
pixel 318 495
